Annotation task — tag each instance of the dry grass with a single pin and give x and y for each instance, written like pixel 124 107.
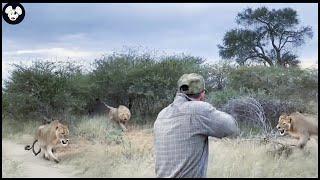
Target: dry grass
pixel 98 149
pixel 11 168
pixel 130 158
pixel 238 158
pixel 227 158
pixel 14 130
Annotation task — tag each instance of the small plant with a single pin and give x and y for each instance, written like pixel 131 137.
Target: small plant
pixel 114 135
pixel 248 110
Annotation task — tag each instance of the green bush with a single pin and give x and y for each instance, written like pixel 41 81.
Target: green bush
pixel 45 89
pixel 282 83
pixel 143 83
pixel 219 98
pixel 146 84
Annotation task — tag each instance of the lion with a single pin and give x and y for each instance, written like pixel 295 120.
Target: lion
pixel 121 115
pixel 49 136
pixel 298 126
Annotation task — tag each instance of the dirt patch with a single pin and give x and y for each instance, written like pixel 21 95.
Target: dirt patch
pixel 20 163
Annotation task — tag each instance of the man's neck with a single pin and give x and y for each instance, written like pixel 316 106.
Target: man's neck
pixel 189 98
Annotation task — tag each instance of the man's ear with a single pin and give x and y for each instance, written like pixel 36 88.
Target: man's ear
pixel 184 88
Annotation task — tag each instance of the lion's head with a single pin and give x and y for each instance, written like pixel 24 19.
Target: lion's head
pixel 61 132
pixel 284 124
pixel 124 114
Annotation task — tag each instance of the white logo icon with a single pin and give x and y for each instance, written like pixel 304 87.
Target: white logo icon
pixel 13 13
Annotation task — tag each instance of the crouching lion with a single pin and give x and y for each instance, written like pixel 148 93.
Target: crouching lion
pixel 49 136
pixel 120 115
pixel 298 126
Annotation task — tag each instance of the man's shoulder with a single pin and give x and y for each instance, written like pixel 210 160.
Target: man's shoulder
pixel 201 106
pixel 198 107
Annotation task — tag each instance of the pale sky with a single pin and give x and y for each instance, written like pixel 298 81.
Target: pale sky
pixel 83 32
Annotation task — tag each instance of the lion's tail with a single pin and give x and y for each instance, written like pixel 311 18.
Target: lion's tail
pixel 107 105
pixel 28 147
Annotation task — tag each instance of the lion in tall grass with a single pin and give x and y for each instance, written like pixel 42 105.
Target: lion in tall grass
pixel 121 115
pixel 49 136
pixel 298 126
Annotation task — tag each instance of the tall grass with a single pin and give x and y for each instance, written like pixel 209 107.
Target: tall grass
pixel 237 158
pixel 134 157
pixel 110 152
pixel 97 129
pixel 226 159
pixel 98 148
pixel 13 129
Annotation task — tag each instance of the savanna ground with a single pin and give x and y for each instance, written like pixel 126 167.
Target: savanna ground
pixel 99 148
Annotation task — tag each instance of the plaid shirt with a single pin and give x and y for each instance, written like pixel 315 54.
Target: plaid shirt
pixel 181 133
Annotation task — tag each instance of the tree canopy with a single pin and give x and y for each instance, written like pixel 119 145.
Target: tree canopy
pixel 266 36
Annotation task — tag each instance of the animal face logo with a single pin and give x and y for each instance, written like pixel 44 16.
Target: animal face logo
pixel 13 13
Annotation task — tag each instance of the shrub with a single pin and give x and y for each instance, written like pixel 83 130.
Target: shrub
pixel 248 111
pixel 143 83
pixel 45 88
pixel 282 83
pixel 98 129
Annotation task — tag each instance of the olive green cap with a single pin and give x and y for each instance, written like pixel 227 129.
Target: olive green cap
pixel 192 84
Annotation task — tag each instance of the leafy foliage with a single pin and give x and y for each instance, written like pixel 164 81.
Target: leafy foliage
pixel 147 84
pixel 46 89
pixel 276 82
pixel 267 36
pixel 141 82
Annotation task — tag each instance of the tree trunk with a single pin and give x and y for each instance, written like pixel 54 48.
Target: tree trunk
pixel 268 60
pixel 279 60
pixel 130 102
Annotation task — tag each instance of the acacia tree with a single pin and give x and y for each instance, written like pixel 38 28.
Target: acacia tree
pixel 266 36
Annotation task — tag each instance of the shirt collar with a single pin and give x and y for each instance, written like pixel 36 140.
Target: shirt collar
pixel 180 97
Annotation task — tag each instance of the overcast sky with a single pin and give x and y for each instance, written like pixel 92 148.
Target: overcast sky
pixel 87 31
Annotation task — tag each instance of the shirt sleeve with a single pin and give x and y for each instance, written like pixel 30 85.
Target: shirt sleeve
pixel 217 123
